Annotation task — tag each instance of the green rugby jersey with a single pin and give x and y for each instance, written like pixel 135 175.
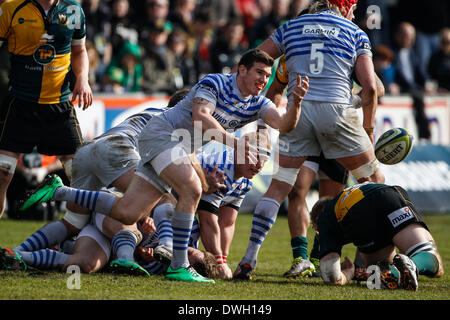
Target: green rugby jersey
pixel 40 47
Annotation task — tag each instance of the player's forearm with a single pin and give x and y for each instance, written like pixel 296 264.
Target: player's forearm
pixel 212 130
pixel 290 118
pixel 80 62
pixel 369 104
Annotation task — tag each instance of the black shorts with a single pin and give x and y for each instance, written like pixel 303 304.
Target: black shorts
pixel 333 169
pixel 52 128
pixel 377 218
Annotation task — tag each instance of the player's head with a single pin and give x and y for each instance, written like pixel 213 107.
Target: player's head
pixel 203 262
pixel 317 209
pixel 177 97
pixel 261 141
pixel 254 71
pixel 344 7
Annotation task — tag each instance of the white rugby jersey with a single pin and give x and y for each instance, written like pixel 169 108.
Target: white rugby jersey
pixel 236 189
pixel 232 110
pixel 323 46
pixel 132 126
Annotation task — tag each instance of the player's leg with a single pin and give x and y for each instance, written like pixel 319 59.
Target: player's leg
pixel 8 163
pixel 124 239
pixel 417 243
pixel 266 212
pixel 299 220
pixel 226 223
pixel 183 178
pixel 92 251
pixel 364 166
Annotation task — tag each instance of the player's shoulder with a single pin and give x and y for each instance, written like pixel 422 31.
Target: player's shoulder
pixel 11 5
pixel 67 3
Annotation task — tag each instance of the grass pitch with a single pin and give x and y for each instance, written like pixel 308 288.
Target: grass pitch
pixel 268 284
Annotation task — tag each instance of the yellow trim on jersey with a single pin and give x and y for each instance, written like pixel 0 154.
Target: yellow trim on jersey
pixel 348 199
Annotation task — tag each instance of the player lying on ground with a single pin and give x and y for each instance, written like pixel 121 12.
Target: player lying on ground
pixel 376 218
pixel 93 249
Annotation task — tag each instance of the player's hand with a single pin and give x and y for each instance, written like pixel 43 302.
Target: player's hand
pixel 224 271
pixel 215 179
pixel 300 89
pixel 348 268
pixel 83 92
pixel 148 225
pixel 246 153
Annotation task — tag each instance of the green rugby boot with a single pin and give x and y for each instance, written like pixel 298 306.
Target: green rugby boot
pixel 186 274
pixel 44 192
pixel 128 266
pixel 11 260
pixel 300 268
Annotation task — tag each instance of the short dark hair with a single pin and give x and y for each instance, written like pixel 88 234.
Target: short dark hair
pixel 255 55
pixel 177 97
pixel 319 207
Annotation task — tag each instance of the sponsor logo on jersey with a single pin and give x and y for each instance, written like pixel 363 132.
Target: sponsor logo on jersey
pixel 44 54
pixel 400 216
pixel 319 30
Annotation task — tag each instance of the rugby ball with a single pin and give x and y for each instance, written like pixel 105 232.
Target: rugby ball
pixel 394 146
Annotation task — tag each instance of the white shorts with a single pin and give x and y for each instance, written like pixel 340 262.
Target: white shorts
pixel 92 232
pixel 334 129
pixel 100 162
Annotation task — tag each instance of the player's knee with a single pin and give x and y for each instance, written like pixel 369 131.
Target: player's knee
pixel 7 165
pixel 367 171
pixel 192 189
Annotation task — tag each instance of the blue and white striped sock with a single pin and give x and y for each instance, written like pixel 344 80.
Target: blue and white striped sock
pixel 195 234
pixel 98 201
pixel 44 259
pixel 263 219
pixel 49 235
pixel 181 225
pixel 161 217
pixel 123 244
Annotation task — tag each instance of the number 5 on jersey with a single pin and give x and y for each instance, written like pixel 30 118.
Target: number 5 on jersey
pixel 317 57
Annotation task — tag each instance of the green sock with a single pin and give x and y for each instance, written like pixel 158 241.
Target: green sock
pixel 315 249
pixel 426 262
pixel 299 247
pixel 394 271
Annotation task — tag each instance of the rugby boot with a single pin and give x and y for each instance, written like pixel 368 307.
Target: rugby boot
pixel 127 266
pixel 300 268
pixel 186 274
pixel 44 192
pixel 243 271
pixel 162 255
pixel 11 260
pixel 387 279
pixel 408 272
